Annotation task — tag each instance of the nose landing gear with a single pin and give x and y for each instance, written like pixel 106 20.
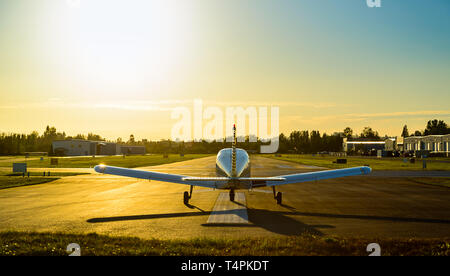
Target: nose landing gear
pixel 232 194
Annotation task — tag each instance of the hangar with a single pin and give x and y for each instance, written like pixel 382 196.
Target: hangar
pixel 132 150
pixel 78 147
pixel 390 146
pixel 364 146
pixel 73 147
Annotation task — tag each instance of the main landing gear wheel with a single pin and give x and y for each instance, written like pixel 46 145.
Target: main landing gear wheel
pixel 279 198
pixel 187 196
pixel 231 195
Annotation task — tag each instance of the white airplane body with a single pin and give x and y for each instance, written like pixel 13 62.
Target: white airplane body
pixel 233 173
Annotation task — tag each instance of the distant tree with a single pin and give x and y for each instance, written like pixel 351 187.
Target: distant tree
pixel 369 133
pixel 316 141
pixel 80 136
pixel 284 144
pixel 405 132
pixel 348 132
pixel 94 137
pixel 50 132
pixel 417 133
pixel 131 141
pixel 19 143
pixel 436 127
pixel 300 142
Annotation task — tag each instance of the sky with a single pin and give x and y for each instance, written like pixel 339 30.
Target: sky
pixel 116 67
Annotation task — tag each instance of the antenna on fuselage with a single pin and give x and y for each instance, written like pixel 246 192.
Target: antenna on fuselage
pixel 233 154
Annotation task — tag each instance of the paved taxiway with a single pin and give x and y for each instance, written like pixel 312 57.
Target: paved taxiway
pixel 352 206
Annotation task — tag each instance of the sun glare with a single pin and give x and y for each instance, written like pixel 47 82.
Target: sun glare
pixel 112 47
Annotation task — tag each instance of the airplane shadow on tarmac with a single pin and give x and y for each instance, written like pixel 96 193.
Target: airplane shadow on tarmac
pixel 279 222
pixel 273 221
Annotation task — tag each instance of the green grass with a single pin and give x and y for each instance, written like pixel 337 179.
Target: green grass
pixel 5 157
pixel 55 244
pixel 131 161
pixel 9 180
pixel 355 161
pixel 2 158
pixel 42 174
pixel 17 181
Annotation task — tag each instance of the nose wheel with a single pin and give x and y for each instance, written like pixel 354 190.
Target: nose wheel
pixel 232 194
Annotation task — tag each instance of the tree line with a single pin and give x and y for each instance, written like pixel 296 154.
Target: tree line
pixel 296 142
pixel 433 127
pixel 18 144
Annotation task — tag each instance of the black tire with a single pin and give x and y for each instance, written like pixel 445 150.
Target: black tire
pixel 231 195
pixel 279 198
pixel 186 198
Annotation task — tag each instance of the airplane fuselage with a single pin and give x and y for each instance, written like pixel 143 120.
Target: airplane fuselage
pixel 224 167
pixel 232 173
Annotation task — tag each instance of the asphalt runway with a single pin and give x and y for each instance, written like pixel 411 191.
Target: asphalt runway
pixel 229 212
pixel 353 206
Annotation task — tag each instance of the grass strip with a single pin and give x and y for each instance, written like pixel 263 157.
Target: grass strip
pixel 355 161
pixel 55 244
pixel 131 161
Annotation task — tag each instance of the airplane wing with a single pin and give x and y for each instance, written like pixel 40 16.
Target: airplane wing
pixel 172 178
pixel 320 175
pixel 211 182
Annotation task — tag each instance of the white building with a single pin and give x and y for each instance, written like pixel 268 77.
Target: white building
pixel 430 144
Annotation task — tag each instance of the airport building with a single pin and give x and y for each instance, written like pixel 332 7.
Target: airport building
pixel 72 147
pixel 363 146
pixel 431 144
pixel 78 147
pixel 132 150
pixel 394 144
pixel 387 147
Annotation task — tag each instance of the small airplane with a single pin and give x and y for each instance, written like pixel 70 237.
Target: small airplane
pixel 233 173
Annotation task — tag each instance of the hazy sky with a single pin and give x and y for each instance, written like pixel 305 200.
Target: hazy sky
pixel 118 67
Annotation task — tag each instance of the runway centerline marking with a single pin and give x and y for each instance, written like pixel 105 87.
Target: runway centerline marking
pixel 226 211
pixel 285 167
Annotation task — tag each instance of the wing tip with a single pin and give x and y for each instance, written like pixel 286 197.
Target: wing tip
pixel 366 170
pixel 100 168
